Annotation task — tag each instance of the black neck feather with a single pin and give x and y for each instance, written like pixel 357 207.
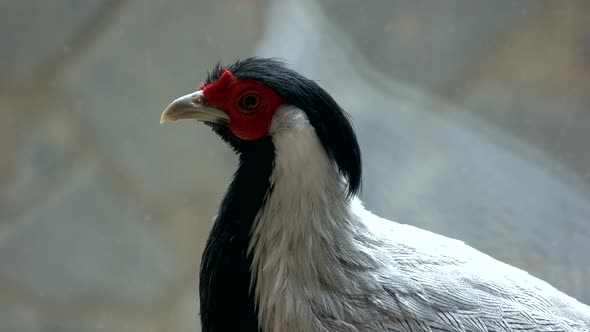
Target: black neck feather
pixel 227 302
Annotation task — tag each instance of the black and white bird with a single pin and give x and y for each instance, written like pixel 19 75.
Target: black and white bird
pixel 293 248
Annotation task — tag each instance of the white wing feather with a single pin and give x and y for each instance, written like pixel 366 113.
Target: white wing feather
pixel 441 284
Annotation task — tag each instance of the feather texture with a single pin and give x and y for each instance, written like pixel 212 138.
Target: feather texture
pixel 322 262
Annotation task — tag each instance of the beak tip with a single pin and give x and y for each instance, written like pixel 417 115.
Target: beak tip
pixel 166 117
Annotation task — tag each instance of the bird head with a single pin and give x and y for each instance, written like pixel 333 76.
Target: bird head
pixel 240 101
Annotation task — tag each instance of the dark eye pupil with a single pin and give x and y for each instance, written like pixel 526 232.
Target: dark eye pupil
pixel 250 101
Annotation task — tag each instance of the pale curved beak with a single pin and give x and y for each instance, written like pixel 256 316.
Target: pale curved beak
pixel 193 106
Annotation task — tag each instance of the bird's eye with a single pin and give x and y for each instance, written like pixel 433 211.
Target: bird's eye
pixel 249 102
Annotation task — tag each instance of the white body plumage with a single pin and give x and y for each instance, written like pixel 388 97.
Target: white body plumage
pixel 321 262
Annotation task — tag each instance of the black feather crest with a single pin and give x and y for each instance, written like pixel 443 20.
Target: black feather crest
pixel 332 124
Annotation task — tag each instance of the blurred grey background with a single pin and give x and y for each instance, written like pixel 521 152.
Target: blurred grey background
pixel 473 115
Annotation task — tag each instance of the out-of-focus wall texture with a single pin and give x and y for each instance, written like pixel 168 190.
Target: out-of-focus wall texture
pixel 474 118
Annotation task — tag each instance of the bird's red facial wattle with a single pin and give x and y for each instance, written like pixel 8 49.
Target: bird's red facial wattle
pixel 250 105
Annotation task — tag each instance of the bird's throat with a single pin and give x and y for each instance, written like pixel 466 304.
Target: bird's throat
pixel 226 296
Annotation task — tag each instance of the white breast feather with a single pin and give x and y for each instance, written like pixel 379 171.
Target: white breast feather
pixel 324 263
